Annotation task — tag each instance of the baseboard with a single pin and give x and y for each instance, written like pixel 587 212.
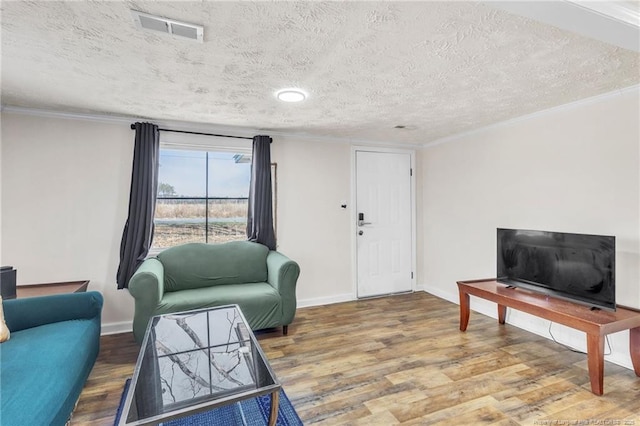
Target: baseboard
pixel 127 326
pixel 524 322
pixel 479 306
pixel 116 328
pixel 451 297
pixel 319 301
pixel 576 340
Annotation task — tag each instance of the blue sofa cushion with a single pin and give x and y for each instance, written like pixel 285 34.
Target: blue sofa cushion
pixel 42 363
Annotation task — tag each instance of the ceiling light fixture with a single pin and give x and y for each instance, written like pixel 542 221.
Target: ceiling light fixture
pixel 291 95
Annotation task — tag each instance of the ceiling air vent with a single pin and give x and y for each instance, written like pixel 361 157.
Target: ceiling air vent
pixel 168 26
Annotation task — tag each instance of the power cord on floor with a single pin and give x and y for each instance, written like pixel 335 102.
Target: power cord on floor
pixel 572 349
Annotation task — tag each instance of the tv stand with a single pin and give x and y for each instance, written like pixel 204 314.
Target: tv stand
pixel 595 323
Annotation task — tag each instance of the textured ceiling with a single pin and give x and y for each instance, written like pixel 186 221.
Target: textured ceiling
pixel 439 68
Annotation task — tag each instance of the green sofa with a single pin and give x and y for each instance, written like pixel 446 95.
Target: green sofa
pixel 54 344
pixel 197 275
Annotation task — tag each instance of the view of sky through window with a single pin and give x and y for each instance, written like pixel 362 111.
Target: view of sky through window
pixel 186 172
pixel 202 197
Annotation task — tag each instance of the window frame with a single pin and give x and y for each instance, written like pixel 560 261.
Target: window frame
pixel 207 144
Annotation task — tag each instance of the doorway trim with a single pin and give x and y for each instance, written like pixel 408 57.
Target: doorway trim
pixel 354 213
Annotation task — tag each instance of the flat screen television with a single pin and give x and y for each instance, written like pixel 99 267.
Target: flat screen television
pixel 577 267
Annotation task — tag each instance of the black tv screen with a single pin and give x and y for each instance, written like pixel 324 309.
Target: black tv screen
pixel 577 267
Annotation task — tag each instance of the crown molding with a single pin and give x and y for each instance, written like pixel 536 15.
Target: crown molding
pixel 607 21
pixel 124 119
pixel 45 113
pixel 249 132
pixel 536 115
pixel 614 10
pixel 344 141
pixel 200 127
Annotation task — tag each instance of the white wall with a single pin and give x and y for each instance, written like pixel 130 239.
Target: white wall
pixel 313 180
pixel 64 202
pixel 65 191
pixel 573 169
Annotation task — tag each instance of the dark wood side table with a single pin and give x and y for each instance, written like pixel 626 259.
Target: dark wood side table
pixel 46 289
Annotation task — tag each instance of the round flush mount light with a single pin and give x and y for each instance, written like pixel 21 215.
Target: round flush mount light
pixel 291 95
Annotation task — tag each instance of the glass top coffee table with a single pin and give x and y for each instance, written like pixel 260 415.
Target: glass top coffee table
pixel 196 361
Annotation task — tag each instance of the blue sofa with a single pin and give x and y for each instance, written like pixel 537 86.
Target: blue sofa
pixel 44 365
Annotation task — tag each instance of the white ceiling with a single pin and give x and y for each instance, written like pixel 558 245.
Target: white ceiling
pixel 438 68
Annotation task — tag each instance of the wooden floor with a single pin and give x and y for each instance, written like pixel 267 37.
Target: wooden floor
pixel 402 360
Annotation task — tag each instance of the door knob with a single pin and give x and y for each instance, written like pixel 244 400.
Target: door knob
pixel 361 221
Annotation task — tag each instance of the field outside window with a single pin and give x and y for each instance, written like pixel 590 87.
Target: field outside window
pixel 202 197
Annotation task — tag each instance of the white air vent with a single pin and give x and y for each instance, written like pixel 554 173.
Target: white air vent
pixel 168 26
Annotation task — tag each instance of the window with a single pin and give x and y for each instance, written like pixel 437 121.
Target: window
pixel 202 197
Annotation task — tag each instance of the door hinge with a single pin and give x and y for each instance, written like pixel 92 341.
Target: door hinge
pixel 412 275
pixel 410 172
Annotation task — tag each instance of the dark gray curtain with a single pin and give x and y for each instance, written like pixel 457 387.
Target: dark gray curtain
pixel 138 230
pixel 260 215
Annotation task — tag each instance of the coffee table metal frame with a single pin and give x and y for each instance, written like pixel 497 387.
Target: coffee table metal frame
pixel 227 398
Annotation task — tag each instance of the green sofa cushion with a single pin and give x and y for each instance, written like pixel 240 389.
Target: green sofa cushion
pixel 260 303
pixel 235 262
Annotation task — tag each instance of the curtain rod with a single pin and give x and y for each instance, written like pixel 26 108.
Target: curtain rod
pixel 133 126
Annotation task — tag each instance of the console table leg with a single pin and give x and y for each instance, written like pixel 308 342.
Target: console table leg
pixel 634 349
pixel 595 357
pixel 464 310
pixel 502 313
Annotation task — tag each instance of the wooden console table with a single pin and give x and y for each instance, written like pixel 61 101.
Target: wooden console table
pixel 32 290
pixel 596 323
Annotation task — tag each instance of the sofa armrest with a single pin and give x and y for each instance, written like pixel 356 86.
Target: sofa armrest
pixel 21 314
pixel 147 283
pixel 147 288
pixel 282 274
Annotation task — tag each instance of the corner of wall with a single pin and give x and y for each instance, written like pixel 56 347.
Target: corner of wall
pixel 489 179
pixel 1 180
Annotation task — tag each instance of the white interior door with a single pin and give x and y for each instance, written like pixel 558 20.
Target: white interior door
pixel 383 214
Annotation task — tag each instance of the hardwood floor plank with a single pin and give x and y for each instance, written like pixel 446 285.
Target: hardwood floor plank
pixel 486 415
pixel 599 410
pixel 402 360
